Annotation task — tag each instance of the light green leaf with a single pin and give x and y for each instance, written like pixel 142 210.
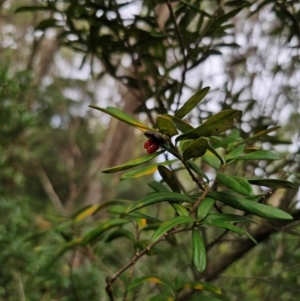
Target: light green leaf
pixel 168 225
pixel 202 286
pixel 211 160
pixel 261 210
pixel 180 210
pixel 213 151
pixel 226 218
pixel 204 208
pixel 203 298
pixel 196 149
pixel 237 184
pixel 132 163
pixel 143 171
pixel 235 153
pixel 162 297
pixel 273 183
pixel 199 252
pixel 165 126
pixel 120 115
pixel 192 103
pixel 92 235
pixel 151 278
pixel 214 125
pixel 158 198
pixel 260 155
pixel 158 187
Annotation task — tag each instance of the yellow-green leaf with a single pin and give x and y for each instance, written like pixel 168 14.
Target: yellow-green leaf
pixel 153 279
pixel 260 155
pixel 195 149
pixel 120 115
pixel 261 134
pixel 192 103
pixel 214 125
pixel 180 124
pixel 165 126
pixel 199 252
pixel 132 163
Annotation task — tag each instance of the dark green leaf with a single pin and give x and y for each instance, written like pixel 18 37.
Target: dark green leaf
pixel 168 225
pixel 180 124
pixel 273 183
pixel 214 125
pixel 237 184
pixel 203 298
pixel 199 252
pixel 158 198
pixel 226 218
pixel 162 297
pixel 261 134
pixel 251 207
pixel 196 149
pixel 132 163
pixel 165 126
pixel 169 178
pixel 25 9
pixel 119 233
pixel 260 155
pixel 192 103
pixel 158 187
pixel 46 24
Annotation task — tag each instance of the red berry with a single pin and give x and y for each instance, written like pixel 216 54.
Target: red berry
pixel 146 144
pixel 152 148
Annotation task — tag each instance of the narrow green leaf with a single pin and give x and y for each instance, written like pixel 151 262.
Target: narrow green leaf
pixel 202 286
pixel 180 124
pixel 197 170
pixel 214 125
pixel 119 233
pixel 25 9
pixel 199 252
pixel 132 163
pixel 180 210
pixel 151 278
pixel 143 171
pixel 169 178
pixel 158 187
pixel 92 235
pixel 237 184
pixel 226 218
pixel 135 214
pixel 165 126
pixel 260 155
pixel 234 136
pixel 261 210
pixel 273 183
pixel 204 208
pixel 192 103
pixel 235 153
pixel 120 115
pixel 196 149
pixel 233 228
pixel 158 198
pixel 211 160
pixel 261 134
pixel 168 225
pixel 203 298
pixel 162 297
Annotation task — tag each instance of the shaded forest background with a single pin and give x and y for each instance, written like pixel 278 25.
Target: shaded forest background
pixel 58 57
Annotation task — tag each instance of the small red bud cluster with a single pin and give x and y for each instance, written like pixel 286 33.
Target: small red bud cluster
pixel 151 146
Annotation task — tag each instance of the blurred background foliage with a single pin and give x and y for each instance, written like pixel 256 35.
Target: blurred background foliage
pixel 57 57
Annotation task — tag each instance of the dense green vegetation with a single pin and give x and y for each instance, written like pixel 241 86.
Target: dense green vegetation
pixel 210 212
